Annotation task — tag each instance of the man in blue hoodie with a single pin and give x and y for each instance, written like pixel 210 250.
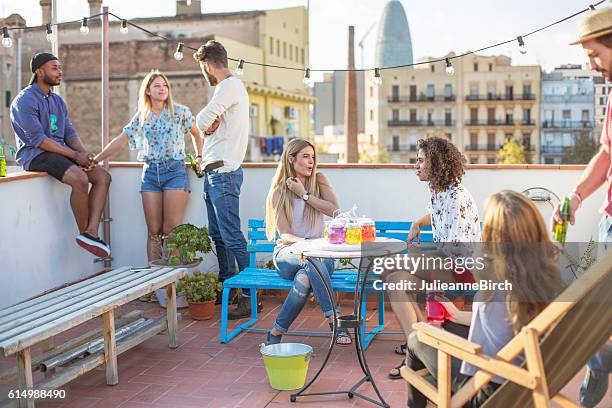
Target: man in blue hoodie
pixel 47 141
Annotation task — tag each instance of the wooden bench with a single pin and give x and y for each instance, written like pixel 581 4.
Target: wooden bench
pixel 38 320
pixel 253 278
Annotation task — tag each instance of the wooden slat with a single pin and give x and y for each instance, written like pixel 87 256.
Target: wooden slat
pixel 564 401
pixel 257 234
pixel 420 383
pixel 50 298
pixel 110 347
pixel 172 316
pixel 444 379
pixel 535 365
pixel 24 376
pixel 64 302
pixel 424 329
pixel 256 223
pixel 393 225
pixel 260 247
pixel 41 332
pixel 46 346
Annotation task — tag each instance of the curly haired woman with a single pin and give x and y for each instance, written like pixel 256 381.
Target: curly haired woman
pixel 453 216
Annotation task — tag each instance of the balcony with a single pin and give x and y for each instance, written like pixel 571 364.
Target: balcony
pixel 554 149
pixel 422 99
pixel 421 123
pixel 504 123
pixel 567 124
pixel 38 253
pixel 482 148
pixel 495 97
pixel 402 148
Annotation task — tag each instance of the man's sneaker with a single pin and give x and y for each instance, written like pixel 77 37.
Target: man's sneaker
pixel 243 309
pixel 94 245
pixel 233 297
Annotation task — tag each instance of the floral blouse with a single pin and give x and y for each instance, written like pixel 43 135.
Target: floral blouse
pixel 454 216
pixel 160 138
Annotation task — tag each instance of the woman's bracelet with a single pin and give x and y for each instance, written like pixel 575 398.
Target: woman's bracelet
pixel 578 196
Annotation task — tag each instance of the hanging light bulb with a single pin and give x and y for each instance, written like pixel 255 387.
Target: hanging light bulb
pixel 521 43
pixel 377 80
pixel 307 80
pixel 84 27
pixel 124 27
pixel 178 55
pixel 592 7
pixel 7 41
pixel 450 70
pixel 240 68
pixel 49 33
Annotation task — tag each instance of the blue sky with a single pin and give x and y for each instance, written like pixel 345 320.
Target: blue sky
pixel 436 26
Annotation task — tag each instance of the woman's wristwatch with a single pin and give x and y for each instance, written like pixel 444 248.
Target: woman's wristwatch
pixel 306 196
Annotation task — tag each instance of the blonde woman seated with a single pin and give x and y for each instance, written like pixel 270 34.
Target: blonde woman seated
pixel 298 199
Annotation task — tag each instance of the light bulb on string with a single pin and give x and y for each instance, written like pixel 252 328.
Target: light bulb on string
pixel 49 33
pixel 450 70
pixel 240 68
pixel 377 80
pixel 307 80
pixel 178 55
pixel 521 43
pixel 124 27
pixel 84 27
pixel 7 41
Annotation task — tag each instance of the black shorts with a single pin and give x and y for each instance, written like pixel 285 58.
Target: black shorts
pixel 52 163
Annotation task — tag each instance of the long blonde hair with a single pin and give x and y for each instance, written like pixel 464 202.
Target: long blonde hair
pixel 515 236
pixel 144 100
pixel 280 198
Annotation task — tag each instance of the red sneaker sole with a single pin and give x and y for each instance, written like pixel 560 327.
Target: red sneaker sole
pixel 92 249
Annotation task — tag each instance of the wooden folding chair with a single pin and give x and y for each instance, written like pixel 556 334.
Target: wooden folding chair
pixel 574 327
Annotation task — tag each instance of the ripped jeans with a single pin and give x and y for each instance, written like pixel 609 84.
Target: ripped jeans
pixel 304 278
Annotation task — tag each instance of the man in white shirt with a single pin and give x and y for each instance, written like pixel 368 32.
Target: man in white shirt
pixel 225 125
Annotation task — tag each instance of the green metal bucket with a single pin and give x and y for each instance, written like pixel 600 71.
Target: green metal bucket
pixel 286 364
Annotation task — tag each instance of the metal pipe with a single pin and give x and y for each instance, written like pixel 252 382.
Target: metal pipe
pixel 105 106
pixel 90 347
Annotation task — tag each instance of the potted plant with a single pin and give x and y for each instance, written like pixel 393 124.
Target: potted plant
pixel 180 249
pixel 201 292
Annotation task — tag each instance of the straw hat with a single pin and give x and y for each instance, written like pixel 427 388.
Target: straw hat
pixel 594 25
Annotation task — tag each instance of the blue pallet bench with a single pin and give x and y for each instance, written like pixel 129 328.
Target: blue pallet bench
pixel 253 278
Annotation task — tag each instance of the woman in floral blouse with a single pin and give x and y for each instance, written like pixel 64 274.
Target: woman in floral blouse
pixel 158 131
pixel 453 217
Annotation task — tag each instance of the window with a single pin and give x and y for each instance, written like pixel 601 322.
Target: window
pixel 448 91
pixel 395 92
pixel 474 90
pixel 527 90
pixel 271 45
pixel 430 117
pixel 475 67
pixel 509 116
pixel 413 115
pixel 490 160
pixel 412 160
pixel 278 48
pixel 509 92
pixel 371 139
pixel 526 116
pixel 371 91
pixel 413 93
pixel 474 115
pixel 284 49
pixel 473 141
pixel 474 160
pixel 601 100
pixel 448 118
pixel 371 114
pixel 549 160
pixel 527 140
pixel 585 115
pixel 291 52
pixel 253 120
pixel 491 91
pixel 303 56
pixel 490 67
pixel 430 91
pixel 566 114
pixel 491 116
pixel 433 68
pixel 395 114
pixel 491 141
pixel 396 146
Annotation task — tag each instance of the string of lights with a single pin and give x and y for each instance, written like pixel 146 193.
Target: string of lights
pixel 376 79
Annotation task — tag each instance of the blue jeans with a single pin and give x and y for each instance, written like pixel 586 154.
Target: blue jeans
pixel 304 278
pixel 222 197
pixel 605 238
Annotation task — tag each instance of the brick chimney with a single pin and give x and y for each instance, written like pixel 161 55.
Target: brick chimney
pixel 188 7
pixel 45 6
pixel 350 102
pixel 95 6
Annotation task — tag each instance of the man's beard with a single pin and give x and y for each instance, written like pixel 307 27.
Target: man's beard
pixel 50 82
pixel 212 81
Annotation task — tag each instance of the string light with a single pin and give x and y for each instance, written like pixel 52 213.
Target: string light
pixel 240 68
pixel 124 27
pixel 49 33
pixel 592 7
pixel 178 55
pixel 7 42
pixel 522 48
pixel 307 80
pixel 84 27
pixel 450 70
pixel 377 80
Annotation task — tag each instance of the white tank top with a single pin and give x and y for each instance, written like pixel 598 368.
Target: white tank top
pixel 300 226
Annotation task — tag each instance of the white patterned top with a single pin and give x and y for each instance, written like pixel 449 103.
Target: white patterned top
pixel 454 215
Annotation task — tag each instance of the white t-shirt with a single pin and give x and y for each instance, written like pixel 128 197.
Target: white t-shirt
pixel 230 102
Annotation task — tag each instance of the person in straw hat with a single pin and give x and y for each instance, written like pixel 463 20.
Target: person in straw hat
pixel 595 31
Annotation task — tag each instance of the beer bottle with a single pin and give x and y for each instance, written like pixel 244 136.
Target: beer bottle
pixel 561 229
pixel 2 162
pixel 194 166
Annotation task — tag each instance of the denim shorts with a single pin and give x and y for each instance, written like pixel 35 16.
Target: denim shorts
pixel 168 175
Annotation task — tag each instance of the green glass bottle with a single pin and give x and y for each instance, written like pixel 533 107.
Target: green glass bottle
pixel 194 166
pixel 2 162
pixel 561 229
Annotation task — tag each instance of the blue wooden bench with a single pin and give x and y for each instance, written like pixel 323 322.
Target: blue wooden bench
pixel 253 278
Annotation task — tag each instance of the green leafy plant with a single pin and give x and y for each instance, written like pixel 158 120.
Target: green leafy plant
pixel 183 243
pixel 200 287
